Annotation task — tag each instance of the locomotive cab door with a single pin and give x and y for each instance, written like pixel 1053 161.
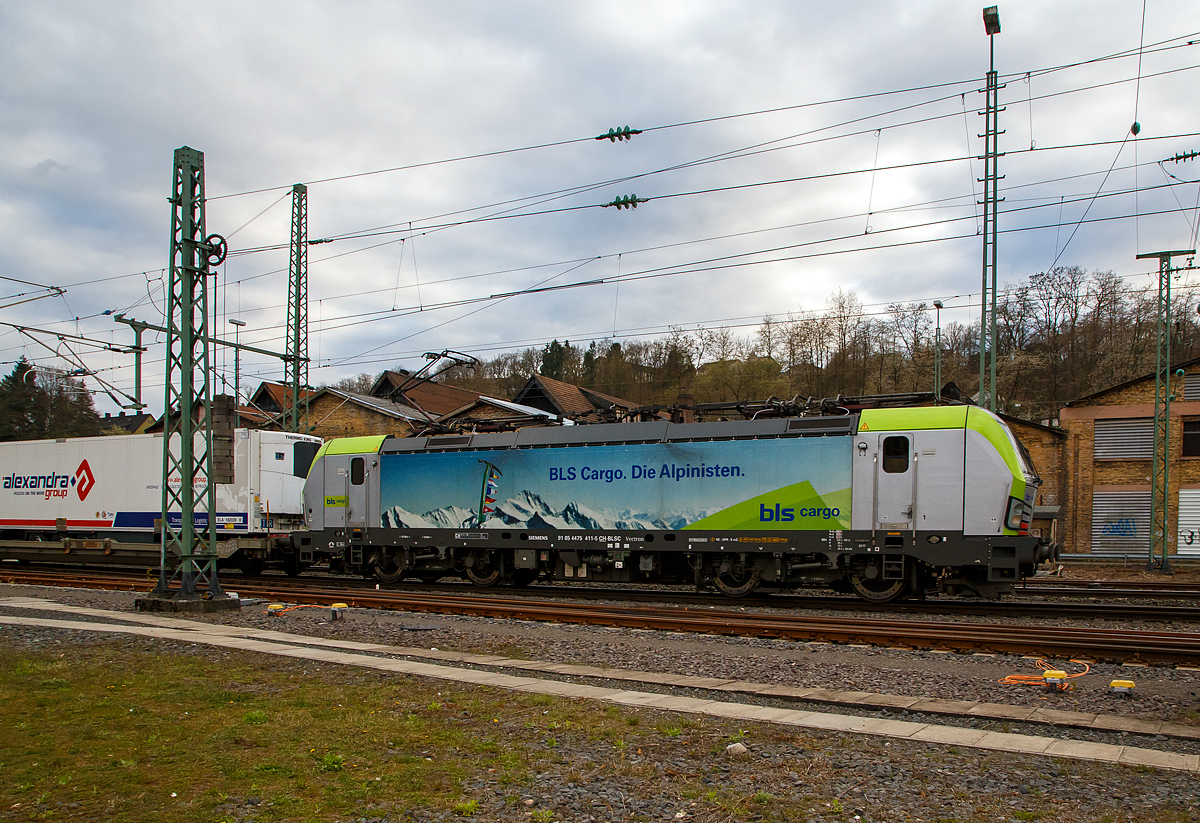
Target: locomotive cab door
pixel 337 482
pixel 895 480
pixel 356 492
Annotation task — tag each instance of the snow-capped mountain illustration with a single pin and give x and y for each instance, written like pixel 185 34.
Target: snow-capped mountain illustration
pixel 529 511
pixel 448 517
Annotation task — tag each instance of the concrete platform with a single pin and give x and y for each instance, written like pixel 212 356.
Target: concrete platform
pixel 189 605
pixel 351 653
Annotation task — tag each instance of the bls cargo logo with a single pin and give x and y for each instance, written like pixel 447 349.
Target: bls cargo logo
pixel 54 484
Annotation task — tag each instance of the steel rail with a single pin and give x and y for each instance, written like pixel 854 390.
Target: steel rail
pixel 110 578
pixel 1050 641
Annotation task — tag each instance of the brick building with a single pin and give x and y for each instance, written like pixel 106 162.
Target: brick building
pixel 1109 458
pixel 337 413
pixel 1046 447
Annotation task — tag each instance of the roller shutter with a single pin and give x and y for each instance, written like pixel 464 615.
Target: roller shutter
pixel 1121 522
pixel 1191 386
pixel 1189 523
pixel 1124 439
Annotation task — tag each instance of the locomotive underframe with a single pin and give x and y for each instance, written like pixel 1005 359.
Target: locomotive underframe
pixel 878 566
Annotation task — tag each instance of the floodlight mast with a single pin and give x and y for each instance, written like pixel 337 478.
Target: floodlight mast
pixel 237 369
pixel 991 180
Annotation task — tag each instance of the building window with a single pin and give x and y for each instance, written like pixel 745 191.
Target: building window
pixel 1191 438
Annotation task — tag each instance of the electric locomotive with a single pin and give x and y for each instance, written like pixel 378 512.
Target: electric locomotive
pixel 887 503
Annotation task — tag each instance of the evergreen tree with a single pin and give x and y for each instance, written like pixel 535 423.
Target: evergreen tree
pixel 554 360
pixel 30 410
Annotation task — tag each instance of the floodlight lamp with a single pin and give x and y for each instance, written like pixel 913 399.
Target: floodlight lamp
pixel 237 322
pixel 991 20
pixel 937 304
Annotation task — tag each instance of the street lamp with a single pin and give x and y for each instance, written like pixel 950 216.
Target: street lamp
pixel 937 353
pixel 237 362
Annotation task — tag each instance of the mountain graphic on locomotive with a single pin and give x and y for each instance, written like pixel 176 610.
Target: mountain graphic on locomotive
pixel 887 503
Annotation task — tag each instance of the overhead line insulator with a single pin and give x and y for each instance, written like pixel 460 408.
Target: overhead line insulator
pixel 629 201
pixel 622 133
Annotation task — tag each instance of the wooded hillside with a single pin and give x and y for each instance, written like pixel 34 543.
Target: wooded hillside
pixel 1062 334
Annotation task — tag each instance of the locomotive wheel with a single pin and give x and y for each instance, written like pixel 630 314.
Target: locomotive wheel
pixel 523 577
pixel 731 584
pixel 482 570
pixel 388 570
pixel 878 591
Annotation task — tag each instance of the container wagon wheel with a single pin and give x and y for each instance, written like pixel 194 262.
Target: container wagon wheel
pixel 252 567
pixel 482 570
pixel 877 590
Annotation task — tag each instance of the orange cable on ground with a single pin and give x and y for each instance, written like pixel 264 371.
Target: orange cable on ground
pixel 1038 680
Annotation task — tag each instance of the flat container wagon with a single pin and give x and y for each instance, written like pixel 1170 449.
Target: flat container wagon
pixel 99 499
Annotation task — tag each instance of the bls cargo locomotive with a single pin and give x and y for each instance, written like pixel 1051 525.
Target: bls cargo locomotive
pixel 886 503
pixel 99 500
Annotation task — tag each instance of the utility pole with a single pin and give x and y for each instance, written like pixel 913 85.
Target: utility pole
pixel 296 366
pixel 188 550
pixel 1160 487
pixel 991 182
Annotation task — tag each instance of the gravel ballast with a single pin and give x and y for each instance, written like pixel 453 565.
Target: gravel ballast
pixel 825 776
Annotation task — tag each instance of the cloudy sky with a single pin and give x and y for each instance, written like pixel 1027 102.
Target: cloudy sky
pixel 789 149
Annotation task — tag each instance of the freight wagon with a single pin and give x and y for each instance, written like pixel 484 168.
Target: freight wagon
pixel 886 503
pixel 99 499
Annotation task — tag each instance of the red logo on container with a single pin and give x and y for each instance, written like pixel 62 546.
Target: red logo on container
pixel 84 480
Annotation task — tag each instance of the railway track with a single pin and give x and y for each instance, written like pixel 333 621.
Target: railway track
pixel 1160 590
pixel 1120 644
pixel 686 596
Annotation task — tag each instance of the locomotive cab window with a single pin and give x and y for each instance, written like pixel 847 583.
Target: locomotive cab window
pixel 358 471
pixel 895 455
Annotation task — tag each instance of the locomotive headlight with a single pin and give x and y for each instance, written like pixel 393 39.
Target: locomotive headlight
pixel 1016 509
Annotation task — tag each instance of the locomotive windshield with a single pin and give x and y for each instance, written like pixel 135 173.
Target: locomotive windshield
pixel 302 457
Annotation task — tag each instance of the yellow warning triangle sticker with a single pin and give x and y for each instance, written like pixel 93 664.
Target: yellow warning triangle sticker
pixel 864 427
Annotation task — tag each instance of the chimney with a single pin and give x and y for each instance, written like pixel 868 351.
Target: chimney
pixel 686 404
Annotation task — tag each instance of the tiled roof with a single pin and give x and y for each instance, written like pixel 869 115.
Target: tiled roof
pixel 506 405
pixel 435 398
pixel 377 404
pixel 565 399
pixel 274 397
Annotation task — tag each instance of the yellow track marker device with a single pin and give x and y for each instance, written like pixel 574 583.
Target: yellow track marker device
pixel 1121 687
pixel 1054 679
